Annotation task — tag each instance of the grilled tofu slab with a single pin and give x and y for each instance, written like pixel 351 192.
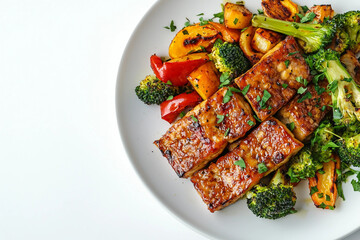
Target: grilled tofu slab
pixel 305 112
pixel 274 80
pixel 203 133
pixel 225 181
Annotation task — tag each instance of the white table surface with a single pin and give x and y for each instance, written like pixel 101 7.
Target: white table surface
pixel 64 173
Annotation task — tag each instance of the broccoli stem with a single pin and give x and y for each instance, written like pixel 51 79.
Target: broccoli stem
pixel 315 36
pixel 335 71
pixel 278 178
pixel 298 30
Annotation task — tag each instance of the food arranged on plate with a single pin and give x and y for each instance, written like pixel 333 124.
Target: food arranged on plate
pixel 261 101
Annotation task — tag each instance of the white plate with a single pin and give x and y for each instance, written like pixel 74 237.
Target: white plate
pixel 140 125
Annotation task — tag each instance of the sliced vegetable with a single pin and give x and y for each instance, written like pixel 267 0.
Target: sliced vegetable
pixel 281 9
pixel 323 188
pixel 245 45
pixel 228 34
pixel 177 70
pixel 170 109
pixel 205 80
pixel 236 16
pixel 196 39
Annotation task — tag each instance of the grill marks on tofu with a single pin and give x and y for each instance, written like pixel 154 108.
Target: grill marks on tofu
pixel 223 182
pixel 278 68
pixel 307 115
pixel 197 138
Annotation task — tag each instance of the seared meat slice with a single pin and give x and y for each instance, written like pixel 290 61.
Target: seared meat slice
pixel 306 115
pixel 352 65
pixel 225 181
pixel 278 74
pixel 203 133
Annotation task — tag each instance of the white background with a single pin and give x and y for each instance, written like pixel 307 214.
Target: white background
pixel 64 173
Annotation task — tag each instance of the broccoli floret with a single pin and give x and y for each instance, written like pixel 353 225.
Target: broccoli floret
pixel 303 166
pixel 273 201
pixel 229 58
pixel 341 41
pixel 352 26
pixel 320 143
pixel 153 91
pixel 349 150
pixel 315 36
pixel 344 91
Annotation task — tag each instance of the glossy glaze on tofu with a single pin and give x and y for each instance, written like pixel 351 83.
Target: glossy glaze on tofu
pixel 306 115
pixel 279 72
pixel 224 182
pixel 200 137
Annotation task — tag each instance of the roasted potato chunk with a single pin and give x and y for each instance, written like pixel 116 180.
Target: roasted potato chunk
pixel 236 16
pixel 322 187
pixel 280 9
pixel 264 40
pixel 192 39
pixel 205 80
pixel 245 45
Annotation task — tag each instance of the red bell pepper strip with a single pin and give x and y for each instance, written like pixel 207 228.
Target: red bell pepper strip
pixel 170 109
pixel 175 72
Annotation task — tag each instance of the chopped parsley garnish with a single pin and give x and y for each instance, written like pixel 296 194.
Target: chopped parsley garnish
pixel 182 114
pixel 227 132
pixel 329 145
pixel 307 95
pixel 321 195
pixel 313 190
pixel 187 23
pixel 257 119
pixel 319 89
pixel 203 22
pixel 260 11
pixel 302 80
pixel 170 98
pixel 185 32
pixel 305 8
pixel 240 163
pixel 172 26
pixel 333 86
pixel 310 114
pixel 291 126
pixel 284 85
pixel 301 90
pixel 321 171
pixel 236 21
pixel 219 15
pixel 245 90
pixel 264 99
pixel 262 168
pixel 193 118
pixel 200 14
pixel 224 79
pixel 347 79
pixel 308 17
pixel 287 62
pixel 293 53
pixel 296 26
pixel 251 123
pixel 220 118
pixel 327 197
